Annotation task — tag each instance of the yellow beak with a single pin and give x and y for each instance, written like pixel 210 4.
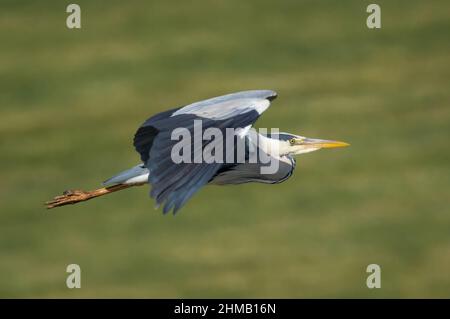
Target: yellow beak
pixel 320 143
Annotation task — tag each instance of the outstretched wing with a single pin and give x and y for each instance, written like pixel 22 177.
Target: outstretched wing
pixel 172 183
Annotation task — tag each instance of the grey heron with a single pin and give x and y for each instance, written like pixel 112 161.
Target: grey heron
pixel 174 183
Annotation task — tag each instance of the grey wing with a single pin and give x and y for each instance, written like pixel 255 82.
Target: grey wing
pixel 227 106
pixel 143 138
pixel 173 184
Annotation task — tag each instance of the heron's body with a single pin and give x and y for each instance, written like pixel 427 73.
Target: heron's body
pixel 174 183
pixel 228 173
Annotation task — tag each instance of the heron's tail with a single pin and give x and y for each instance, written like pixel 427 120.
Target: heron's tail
pixel 71 197
pixel 136 174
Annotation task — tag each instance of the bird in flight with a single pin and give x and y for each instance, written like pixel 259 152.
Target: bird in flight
pixel 179 155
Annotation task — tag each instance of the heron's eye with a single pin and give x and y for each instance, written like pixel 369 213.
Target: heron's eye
pixel 292 141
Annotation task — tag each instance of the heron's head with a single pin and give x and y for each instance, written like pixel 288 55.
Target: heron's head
pixel 294 144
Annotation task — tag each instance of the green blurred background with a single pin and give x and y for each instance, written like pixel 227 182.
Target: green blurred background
pixel 71 101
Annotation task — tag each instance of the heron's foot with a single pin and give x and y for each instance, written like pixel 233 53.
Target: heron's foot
pixel 74 196
pixel 69 197
pixel 74 192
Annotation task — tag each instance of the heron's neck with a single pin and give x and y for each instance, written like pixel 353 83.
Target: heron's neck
pixel 271 146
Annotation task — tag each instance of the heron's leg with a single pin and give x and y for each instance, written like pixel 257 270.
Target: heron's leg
pixel 70 197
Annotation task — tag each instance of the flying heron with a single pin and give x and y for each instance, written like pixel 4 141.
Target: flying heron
pixel 174 183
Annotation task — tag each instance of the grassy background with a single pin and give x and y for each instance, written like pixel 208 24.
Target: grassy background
pixel 71 100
